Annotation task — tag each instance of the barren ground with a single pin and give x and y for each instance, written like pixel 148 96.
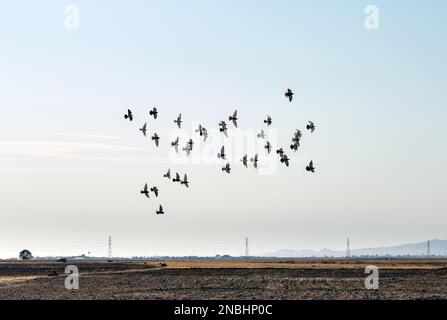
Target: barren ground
pixel 415 279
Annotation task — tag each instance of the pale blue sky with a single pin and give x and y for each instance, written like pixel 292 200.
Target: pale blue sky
pixel 71 167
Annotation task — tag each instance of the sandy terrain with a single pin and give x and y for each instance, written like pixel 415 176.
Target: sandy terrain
pixel 419 279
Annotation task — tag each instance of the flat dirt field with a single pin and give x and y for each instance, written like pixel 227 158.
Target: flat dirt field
pixel 409 279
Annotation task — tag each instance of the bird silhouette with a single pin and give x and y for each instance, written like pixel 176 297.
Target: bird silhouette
pixel 254 160
pixel 185 181
pixel 144 129
pixel 221 154
pixel 129 115
pixel 203 132
pixel 160 210
pixel 297 136
pixel 244 161
pixel 227 168
pixel 156 138
pixel 145 191
pixel 280 151
pixel 261 134
pixel 289 94
pixel 155 190
pixel 311 127
pixel 285 159
pixel 179 121
pixel 223 128
pixel 233 118
pixel 268 121
pixel 190 144
pixel 175 144
pixel 268 146
pixel 187 149
pixel 296 140
pixel 168 174
pixel 154 112
pixel 177 178
pixel 294 146
pixel 310 167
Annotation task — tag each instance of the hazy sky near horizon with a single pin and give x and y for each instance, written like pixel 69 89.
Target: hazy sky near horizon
pixel 71 167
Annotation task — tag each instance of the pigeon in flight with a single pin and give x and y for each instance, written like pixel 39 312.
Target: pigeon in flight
pixel 280 151
pixel 179 121
pixel 154 112
pixel 156 138
pixel 177 178
pixel 261 134
pixel 311 127
pixel 188 149
pixel 190 143
pixel 255 161
pixel 185 181
pixel 175 144
pixel 297 136
pixel 144 129
pixel 160 210
pixel 203 132
pixel 227 168
pixel 268 146
pixel 294 146
pixel 310 167
pixel 221 154
pixel 223 128
pixel 168 174
pixel 285 159
pixel 296 140
pixel 155 190
pixel 129 115
pixel 268 121
pixel 145 191
pixel 244 161
pixel 234 118
pixel 289 94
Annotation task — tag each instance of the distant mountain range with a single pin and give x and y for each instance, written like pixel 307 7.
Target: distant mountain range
pixel 437 247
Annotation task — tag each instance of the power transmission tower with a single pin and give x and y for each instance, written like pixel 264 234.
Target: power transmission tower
pixel 109 249
pixel 428 248
pixel 247 252
pixel 348 248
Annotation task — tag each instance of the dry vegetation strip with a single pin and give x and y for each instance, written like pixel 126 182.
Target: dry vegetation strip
pixel 142 266
pixel 422 265
pixel 7 280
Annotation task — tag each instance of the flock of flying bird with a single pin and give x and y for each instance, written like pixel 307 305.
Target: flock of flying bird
pixel 221 155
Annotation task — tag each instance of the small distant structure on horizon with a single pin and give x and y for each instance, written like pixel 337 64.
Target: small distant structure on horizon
pixel 428 253
pixel 348 248
pixel 247 252
pixel 109 249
